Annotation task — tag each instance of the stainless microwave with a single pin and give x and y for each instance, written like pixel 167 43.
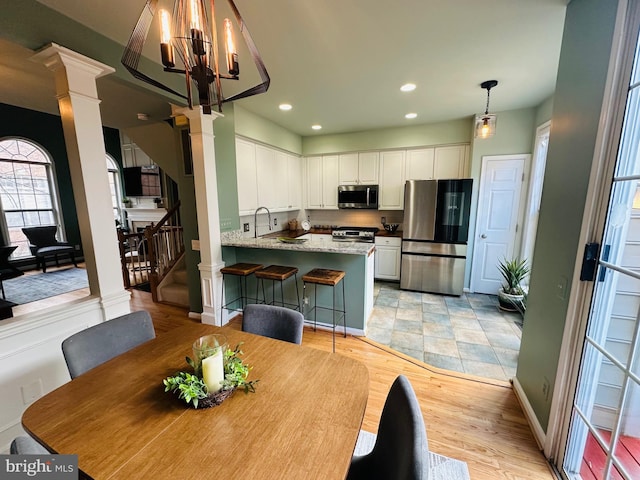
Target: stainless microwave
pixel 358 196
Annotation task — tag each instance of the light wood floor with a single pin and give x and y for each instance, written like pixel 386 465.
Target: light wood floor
pixel 466 418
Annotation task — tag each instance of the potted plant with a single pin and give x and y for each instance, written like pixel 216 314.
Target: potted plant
pixel 512 294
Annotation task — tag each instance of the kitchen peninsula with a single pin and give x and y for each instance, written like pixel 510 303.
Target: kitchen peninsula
pixel 356 259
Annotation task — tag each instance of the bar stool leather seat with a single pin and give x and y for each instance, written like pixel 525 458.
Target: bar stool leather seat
pixel 279 273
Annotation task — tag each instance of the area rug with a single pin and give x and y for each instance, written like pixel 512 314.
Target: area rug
pixel 30 288
pixel 440 467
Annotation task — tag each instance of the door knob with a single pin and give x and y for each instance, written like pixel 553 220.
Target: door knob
pixel 483 236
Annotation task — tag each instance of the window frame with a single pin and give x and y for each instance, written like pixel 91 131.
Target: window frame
pixel 54 192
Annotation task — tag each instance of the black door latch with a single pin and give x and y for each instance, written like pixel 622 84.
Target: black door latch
pixel 589 262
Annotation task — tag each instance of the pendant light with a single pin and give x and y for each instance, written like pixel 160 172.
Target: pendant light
pixel 486 124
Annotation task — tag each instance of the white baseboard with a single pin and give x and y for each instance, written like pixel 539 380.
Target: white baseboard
pixel 537 430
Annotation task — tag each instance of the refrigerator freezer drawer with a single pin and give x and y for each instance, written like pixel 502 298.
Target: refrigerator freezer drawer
pixel 432 274
pixel 433 248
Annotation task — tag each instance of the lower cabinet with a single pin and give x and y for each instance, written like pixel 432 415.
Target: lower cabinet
pixel 387 258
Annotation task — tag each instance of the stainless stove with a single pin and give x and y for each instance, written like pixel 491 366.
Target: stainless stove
pixel 354 234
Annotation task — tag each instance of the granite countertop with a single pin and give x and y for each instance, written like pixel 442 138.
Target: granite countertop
pixel 322 246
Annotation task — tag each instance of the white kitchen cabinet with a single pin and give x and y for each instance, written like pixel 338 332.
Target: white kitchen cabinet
pixel 419 164
pixel 322 182
pixel 348 169
pixel 246 177
pixel 358 168
pixel 387 258
pixel 267 177
pixel 450 161
pixel 392 165
pixel 273 185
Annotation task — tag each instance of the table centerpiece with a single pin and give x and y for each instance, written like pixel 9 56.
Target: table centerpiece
pixel 217 372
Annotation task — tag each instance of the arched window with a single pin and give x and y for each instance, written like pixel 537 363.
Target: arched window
pixel 27 191
pixel 115 186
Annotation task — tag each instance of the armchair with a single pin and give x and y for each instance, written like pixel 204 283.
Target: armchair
pixel 7 270
pixel 43 243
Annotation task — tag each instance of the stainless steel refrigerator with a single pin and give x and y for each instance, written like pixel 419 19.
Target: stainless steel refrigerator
pixel 435 233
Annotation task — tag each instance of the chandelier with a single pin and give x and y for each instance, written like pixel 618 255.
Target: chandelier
pixel 189 35
pixel 486 124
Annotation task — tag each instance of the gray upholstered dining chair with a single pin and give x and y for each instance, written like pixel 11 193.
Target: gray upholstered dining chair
pixel 400 449
pixel 275 322
pixel 95 345
pixel 24 445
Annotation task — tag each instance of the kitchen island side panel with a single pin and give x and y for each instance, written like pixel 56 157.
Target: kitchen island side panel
pixel 358 305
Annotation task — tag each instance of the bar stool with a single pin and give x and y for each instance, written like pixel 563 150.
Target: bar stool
pixel 278 273
pixel 241 271
pixel 331 278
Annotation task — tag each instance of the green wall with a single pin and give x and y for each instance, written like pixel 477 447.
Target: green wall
pixel 544 111
pixel 454 131
pixel 258 128
pixel 577 102
pixel 225 145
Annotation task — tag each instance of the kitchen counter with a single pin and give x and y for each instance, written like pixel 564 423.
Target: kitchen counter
pixel 354 258
pixel 322 246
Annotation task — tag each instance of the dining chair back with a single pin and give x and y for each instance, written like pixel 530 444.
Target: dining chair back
pixel 274 322
pixel 24 445
pixel 401 450
pixel 95 345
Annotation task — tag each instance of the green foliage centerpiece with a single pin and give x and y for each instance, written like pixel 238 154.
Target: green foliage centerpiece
pixel 217 372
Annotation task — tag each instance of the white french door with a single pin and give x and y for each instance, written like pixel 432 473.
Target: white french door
pixel 603 436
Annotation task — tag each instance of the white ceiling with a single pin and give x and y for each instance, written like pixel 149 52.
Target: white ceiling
pixel 341 63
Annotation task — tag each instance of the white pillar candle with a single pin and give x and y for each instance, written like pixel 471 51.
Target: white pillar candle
pixel 213 371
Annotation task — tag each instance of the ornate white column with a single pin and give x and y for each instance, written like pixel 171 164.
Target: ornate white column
pixel 206 187
pixel 75 78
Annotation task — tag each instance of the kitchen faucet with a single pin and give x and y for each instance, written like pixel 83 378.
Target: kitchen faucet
pixel 255 220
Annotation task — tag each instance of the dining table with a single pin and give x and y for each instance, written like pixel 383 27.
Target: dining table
pixel 302 422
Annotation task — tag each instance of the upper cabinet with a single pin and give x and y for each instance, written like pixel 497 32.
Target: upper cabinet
pixel 392 166
pixel 266 178
pixel 246 176
pixel 419 164
pixel 450 162
pixel 358 168
pixel 388 169
pixel 437 163
pixel 322 182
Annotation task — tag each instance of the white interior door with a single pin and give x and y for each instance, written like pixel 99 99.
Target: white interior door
pixel 499 200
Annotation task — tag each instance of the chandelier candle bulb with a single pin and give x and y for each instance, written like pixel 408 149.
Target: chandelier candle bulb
pixel 166 49
pixel 232 53
pixel 213 371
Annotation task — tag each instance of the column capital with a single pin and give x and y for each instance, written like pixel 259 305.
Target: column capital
pixel 54 56
pixel 199 122
pixel 74 73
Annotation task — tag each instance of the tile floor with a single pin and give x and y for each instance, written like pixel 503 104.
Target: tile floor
pixel 467 334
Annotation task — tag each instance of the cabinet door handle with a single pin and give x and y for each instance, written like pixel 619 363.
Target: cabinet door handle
pixel 483 236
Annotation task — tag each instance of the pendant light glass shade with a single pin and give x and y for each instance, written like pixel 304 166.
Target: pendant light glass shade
pixel 486 125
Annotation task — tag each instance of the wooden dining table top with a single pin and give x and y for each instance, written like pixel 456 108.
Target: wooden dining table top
pixel 301 423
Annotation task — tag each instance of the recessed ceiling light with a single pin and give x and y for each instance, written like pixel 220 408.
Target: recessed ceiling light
pixel 411 115
pixel 285 107
pixel 408 87
pixel 316 127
